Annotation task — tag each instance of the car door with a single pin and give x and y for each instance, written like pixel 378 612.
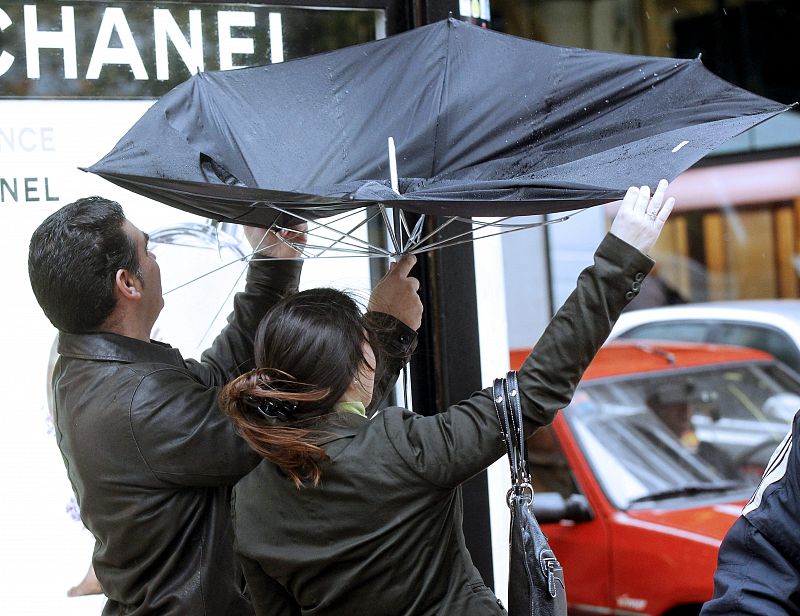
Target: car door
pixel 583 548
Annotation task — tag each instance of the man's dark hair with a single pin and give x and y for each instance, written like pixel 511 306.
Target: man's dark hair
pixel 73 260
pixel 670 394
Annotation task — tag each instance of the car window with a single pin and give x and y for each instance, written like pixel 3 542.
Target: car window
pixel 733 391
pixel 632 453
pixel 767 339
pixel 714 421
pixel 549 467
pixel 684 331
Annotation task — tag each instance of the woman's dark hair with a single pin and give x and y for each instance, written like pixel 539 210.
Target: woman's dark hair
pixel 309 349
pixel 73 260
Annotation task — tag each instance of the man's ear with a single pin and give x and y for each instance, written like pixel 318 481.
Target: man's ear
pixel 127 285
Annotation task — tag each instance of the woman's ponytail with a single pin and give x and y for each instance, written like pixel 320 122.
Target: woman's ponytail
pixel 263 406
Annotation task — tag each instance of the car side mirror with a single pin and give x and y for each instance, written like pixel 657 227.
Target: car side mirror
pixel 551 507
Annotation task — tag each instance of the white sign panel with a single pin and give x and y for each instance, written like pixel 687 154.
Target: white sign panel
pixel 42 143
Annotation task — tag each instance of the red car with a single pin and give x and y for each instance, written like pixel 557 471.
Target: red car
pixel 635 511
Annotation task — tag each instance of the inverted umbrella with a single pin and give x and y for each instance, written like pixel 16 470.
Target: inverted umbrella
pixel 485 124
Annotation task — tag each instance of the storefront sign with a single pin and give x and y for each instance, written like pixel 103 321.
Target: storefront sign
pixel 63 68
pixel 135 49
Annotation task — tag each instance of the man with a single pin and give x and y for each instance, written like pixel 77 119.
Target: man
pixel 150 456
pixel 671 403
pixel 758 568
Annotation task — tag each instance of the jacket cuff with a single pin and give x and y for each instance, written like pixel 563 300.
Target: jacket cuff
pixel 278 274
pixel 397 337
pixel 627 265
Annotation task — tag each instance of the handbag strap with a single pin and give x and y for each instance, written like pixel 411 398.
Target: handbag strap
pixel 509 413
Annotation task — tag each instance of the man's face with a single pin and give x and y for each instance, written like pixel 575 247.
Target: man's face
pixel 678 417
pixel 153 301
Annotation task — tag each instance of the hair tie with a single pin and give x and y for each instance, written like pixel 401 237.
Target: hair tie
pixel 271 408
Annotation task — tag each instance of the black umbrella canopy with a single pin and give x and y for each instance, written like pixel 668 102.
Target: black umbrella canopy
pixel 485 124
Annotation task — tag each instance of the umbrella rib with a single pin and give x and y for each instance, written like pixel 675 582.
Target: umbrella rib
pixel 301 248
pixel 343 251
pixel 363 255
pixel 322 237
pixel 347 234
pixel 347 214
pixel 317 222
pixel 404 222
pixel 417 230
pixel 482 225
pixel 459 235
pixel 527 225
pixel 434 232
pixel 228 264
pixel 449 243
pixel 222 305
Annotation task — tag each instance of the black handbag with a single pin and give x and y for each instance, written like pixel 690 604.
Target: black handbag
pixel 536 579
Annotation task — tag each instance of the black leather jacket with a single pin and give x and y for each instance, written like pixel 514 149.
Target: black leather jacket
pixel 152 459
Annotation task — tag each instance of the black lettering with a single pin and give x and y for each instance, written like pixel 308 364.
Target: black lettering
pixel 47 196
pixel 30 189
pixel 5 186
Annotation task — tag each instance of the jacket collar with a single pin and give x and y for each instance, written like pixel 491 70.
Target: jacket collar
pixel 103 346
pixel 337 425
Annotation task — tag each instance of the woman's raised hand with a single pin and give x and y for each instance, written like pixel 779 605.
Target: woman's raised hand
pixel 396 293
pixel 640 218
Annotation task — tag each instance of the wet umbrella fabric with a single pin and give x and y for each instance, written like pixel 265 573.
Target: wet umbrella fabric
pixel 485 125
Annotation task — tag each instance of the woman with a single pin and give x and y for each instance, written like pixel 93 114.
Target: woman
pixel 349 516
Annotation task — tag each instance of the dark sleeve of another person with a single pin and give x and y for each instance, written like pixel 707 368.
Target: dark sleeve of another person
pixel 758 567
pixel 268 596
pixel 395 344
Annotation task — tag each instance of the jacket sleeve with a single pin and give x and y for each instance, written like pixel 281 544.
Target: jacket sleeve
pixel 231 353
pixel 450 447
pixel 396 342
pixel 758 567
pixel 268 596
pixel 183 436
pixel 753 576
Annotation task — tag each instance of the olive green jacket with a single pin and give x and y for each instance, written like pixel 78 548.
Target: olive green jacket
pixel 381 535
